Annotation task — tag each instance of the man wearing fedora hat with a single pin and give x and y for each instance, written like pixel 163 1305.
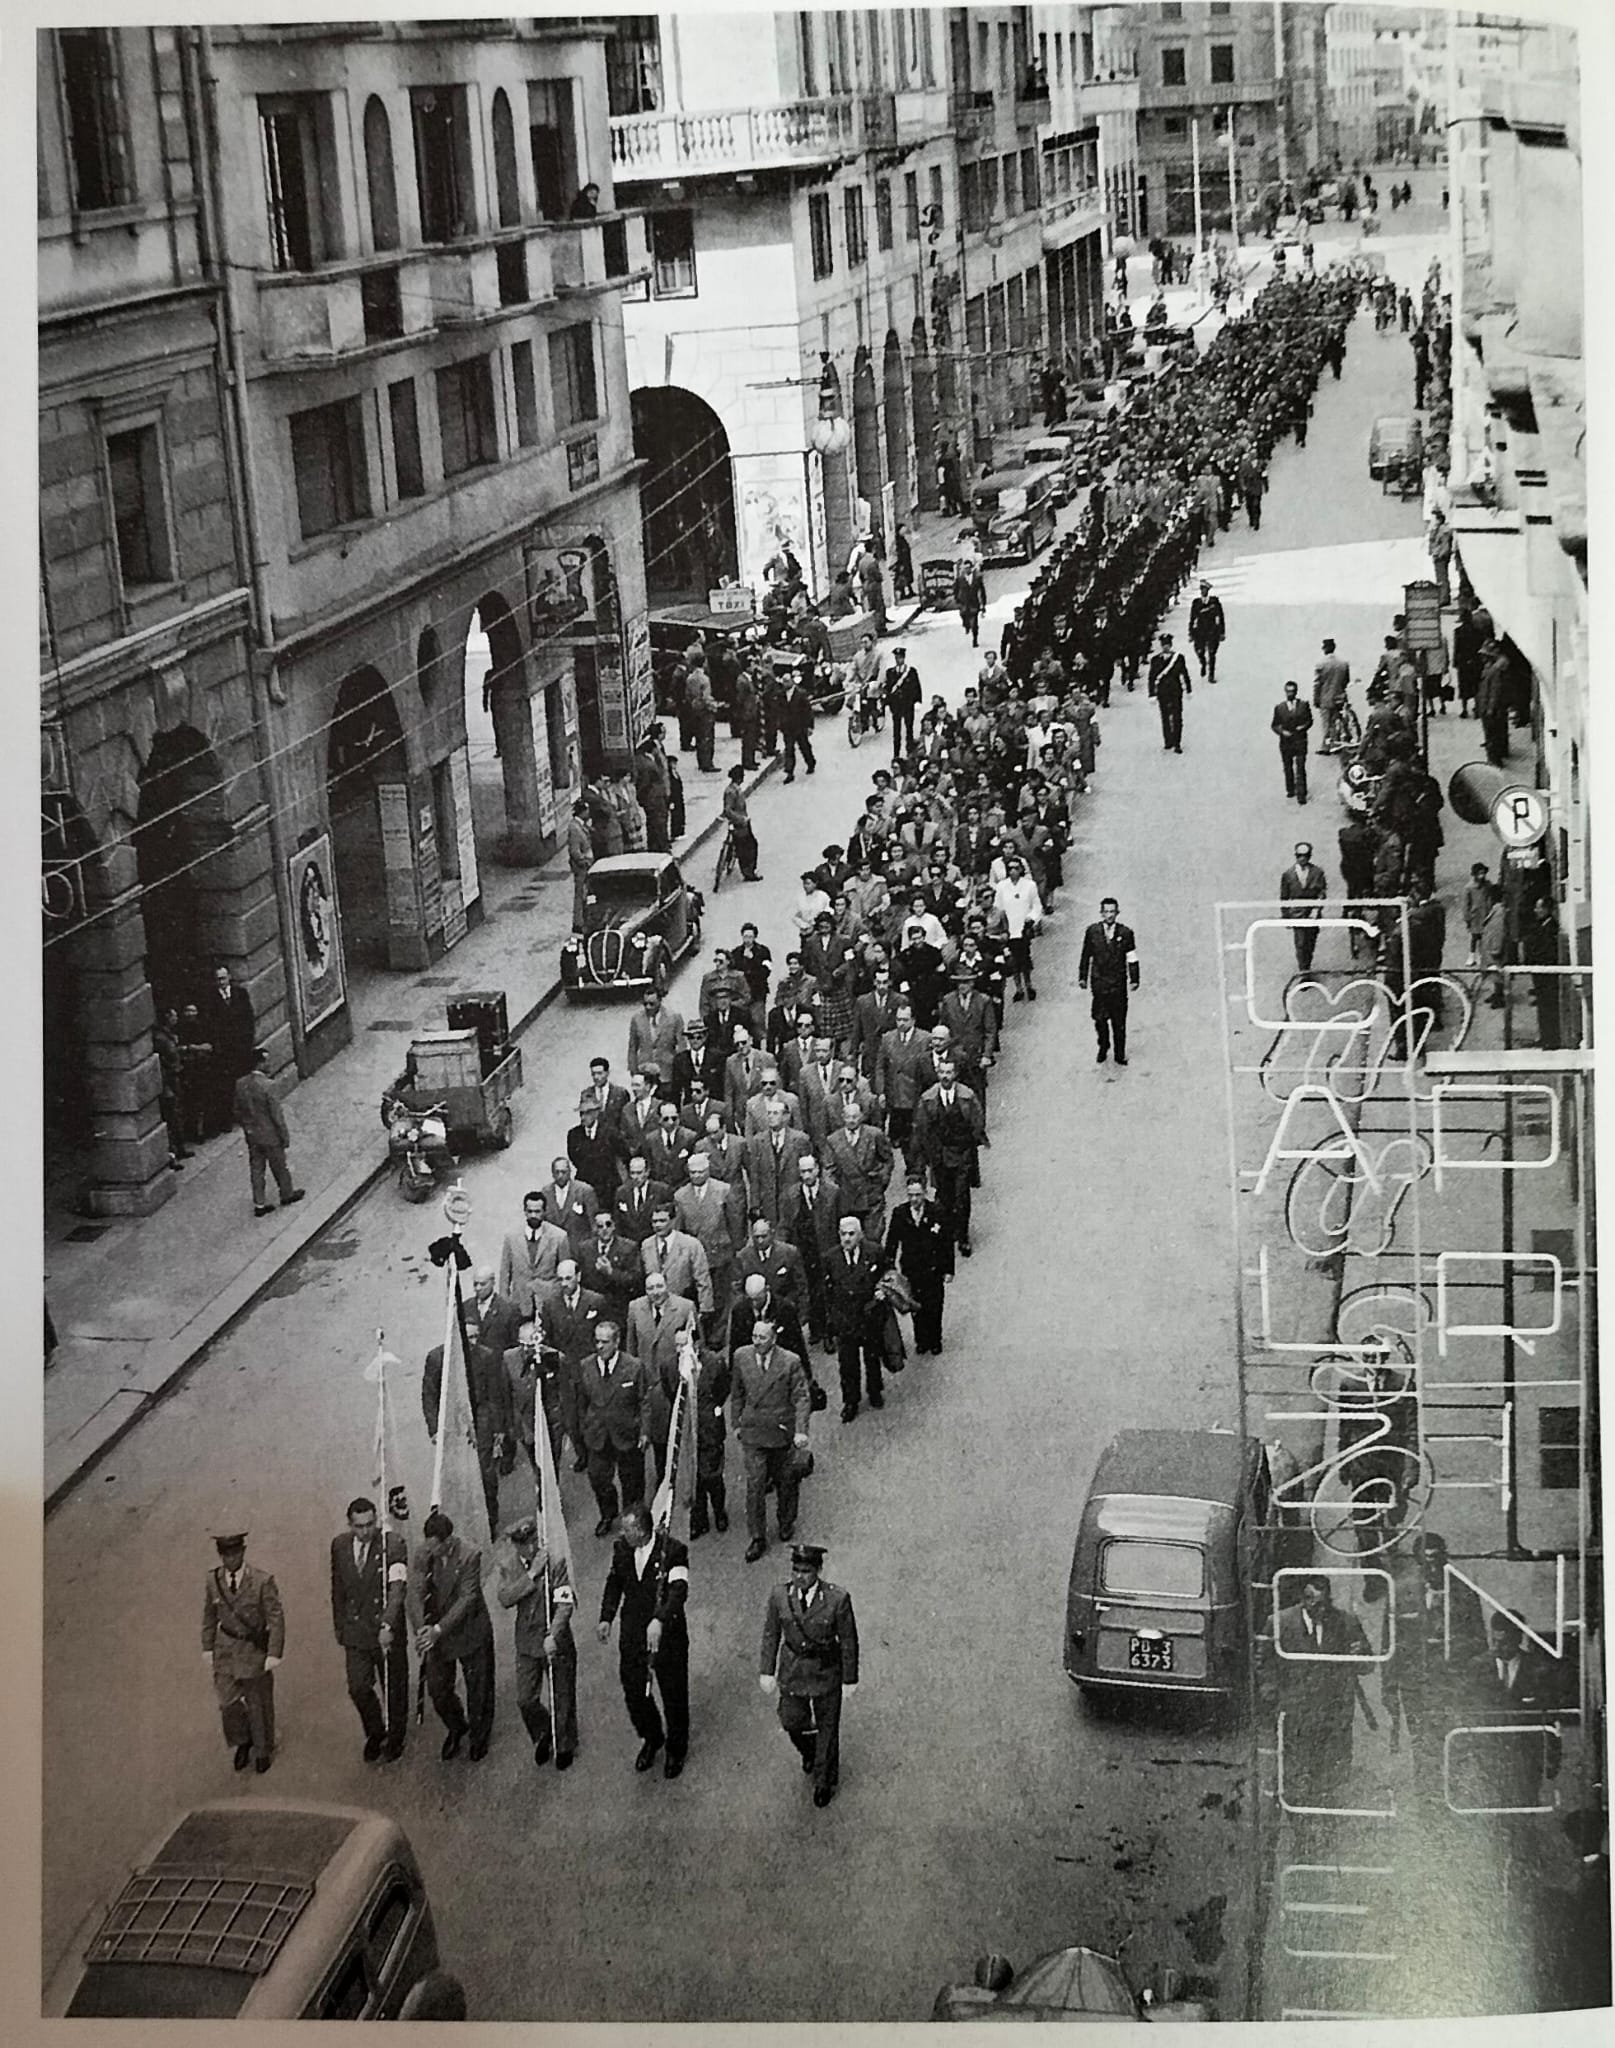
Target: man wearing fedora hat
pixel 1302 889
pixel 810 1662
pixel 243 1637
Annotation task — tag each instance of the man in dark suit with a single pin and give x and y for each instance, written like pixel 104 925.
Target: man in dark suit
pixel 569 1322
pixel 770 1254
pixel 972 1027
pixel 696 1107
pixel 861 1160
pixel 1207 629
pixel 489 1317
pixel 369 1572
pixel 815 1237
pixel 488 1390
pixel 667 1151
pixel 755 962
pixel 810 1658
pixel 263 1125
pixel 1169 684
pixel 228 1026
pixel 948 1130
pixel 769 1404
pixel 1292 721
pixel 1304 887
pixel 1320 1691
pixel 535 1371
pixel 1109 966
pixel 591 1147
pixel 920 1244
pixel 758 1299
pixel 453 1630
pixel 637 1120
pixel 857 1315
pixel 773 1176
pixel 793 1044
pixel 612 1268
pixel 649 1583
pixel 903 1072
pixel 873 1015
pixel 611 1096
pixel 610 1401
pixel 638 1199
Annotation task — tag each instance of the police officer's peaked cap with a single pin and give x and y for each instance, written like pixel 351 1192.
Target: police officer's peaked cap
pixel 807 1553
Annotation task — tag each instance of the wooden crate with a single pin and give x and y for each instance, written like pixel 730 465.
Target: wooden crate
pixel 447 1059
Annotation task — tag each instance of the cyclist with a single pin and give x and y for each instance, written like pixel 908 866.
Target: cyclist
pixel 863 684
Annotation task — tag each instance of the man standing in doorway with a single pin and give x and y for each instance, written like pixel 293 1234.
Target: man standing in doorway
pixel 1169 684
pixel 1109 967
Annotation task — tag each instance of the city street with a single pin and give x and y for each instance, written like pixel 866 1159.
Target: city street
pixel 981 1807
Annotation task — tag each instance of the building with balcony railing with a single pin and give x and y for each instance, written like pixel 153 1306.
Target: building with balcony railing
pixel 1090 160
pixel 424 273
pixel 157 861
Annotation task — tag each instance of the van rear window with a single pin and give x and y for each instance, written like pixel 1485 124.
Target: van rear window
pixel 1177 1569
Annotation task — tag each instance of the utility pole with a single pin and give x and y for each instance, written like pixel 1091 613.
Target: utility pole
pixel 1282 106
pixel 1199 234
pixel 1233 194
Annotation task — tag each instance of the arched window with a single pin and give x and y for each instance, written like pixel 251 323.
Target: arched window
pixel 378 162
pixel 507 191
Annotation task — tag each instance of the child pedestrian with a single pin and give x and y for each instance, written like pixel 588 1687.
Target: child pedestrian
pixel 1477 908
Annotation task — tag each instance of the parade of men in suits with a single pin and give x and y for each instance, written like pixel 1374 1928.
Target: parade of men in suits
pixel 648 1585
pixel 369 1576
pixel 1109 969
pixel 530 1257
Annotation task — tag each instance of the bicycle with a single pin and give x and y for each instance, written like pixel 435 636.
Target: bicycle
pixel 727 861
pixel 864 714
pixel 1343 733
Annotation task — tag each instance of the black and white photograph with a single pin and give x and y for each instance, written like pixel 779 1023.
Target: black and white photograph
pixel 819 1163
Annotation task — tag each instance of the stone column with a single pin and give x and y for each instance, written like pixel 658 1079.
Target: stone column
pixel 131 1175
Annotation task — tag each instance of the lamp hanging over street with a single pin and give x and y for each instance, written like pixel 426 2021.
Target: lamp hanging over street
pixel 829 433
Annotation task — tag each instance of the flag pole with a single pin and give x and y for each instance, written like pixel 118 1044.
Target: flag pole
pixel 381 1439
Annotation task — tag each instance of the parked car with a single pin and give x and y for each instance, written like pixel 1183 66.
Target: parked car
pixel 1068 1984
pixel 1081 437
pixel 1053 451
pixel 1395 442
pixel 640 919
pixel 263 1910
pixel 1171 1544
pixel 1013 512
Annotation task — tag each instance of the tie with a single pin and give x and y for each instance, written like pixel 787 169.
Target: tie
pixel 235 1581
pixel 657 1315
pixel 605 1368
pixel 779 1142
pixel 657 1256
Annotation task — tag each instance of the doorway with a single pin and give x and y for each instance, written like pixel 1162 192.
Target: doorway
pixel 366 748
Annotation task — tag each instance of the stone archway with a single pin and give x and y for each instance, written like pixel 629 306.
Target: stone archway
pixel 897 438
pixel 182 822
pixel 365 750
pixel 687 494
pixel 866 439
pixel 511 816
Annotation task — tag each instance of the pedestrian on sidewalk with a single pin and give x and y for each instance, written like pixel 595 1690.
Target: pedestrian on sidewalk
pixel 703 710
pixel 1493 947
pixel 810 1661
pixel 649 1584
pixel 580 858
pixel 229 1029
pixel 539 1587
pixel 1441 555
pixel 970 595
pixel 243 1640
pixel 369 1572
pixel 165 1041
pixel 1292 721
pixel 1109 967
pixel 1207 628
pixel 1169 684
pixel 1303 886
pixel 902 566
pixel 1477 904
pixel 1492 702
pixel 453 1634
pixel 738 818
pixel 263 1125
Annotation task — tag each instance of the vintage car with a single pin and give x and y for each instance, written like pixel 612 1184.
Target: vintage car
pixel 1069 1984
pixel 640 918
pixel 1173 1540
pixel 1054 451
pixel 1395 445
pixel 263 1910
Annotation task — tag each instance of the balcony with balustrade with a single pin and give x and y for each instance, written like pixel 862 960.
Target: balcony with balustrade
pixel 716 140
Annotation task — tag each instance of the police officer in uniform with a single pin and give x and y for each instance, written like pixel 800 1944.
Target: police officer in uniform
pixel 810 1661
pixel 243 1637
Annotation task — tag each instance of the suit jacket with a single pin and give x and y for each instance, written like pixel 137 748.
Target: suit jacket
pixel 713 1213
pixel 862 1168
pixel 944 1136
pixel 683 1263
pixel 1308 884
pixel 788 1334
pixel 811 1645
pixel 522 1586
pixel 974 1025
pixel 769 1408
pixel 742 1079
pixel 903 1071
pixel 610 1408
pixel 1207 626
pixel 361 1601
pixel 231 1621
pixel 451 1582
pixel 632 1131
pixel 774 1180
pixel 229 1027
pixel 658 1596
pixel 257 1111
pixel 670 1163
pixel 656 1042
pixel 782 1269
pixel 570 1331
pixel 527 1270
pixel 495 1325
pixel 694 1120
pixel 872 1018
pixel 1109 962
pixel 853 1288
pixel 814 1233
pixel 921 1250
pixel 633 1207
pixel 711 1395
pixel 612 1104
pixel 489 1389
pixel 595 1159
pixel 617 1275
pixel 756 1120
pixel 658 1348
pixel 1292 721
pixel 793 1060
pixel 572 1209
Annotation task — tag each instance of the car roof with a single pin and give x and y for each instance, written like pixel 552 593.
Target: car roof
pixel 631 864
pixel 1184 1464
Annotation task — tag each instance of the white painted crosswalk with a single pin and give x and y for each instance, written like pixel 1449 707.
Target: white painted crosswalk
pixel 1362 572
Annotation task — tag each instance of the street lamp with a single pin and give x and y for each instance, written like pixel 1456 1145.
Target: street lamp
pixel 829 433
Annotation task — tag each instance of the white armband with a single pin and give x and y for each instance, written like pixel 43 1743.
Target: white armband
pixel 680 1574
pixel 1132 959
pixel 398 1575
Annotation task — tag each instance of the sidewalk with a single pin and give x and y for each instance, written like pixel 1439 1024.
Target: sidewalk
pixel 137 1301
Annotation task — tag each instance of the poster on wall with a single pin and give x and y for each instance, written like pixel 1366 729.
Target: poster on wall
pixel 888 516
pixel 574 746
pixel 818 568
pixel 321 990
pixel 559 588
pixel 641 677
pixel 773 515
pixel 613 696
pixel 465 832
pixel 538 711
pixel 398 857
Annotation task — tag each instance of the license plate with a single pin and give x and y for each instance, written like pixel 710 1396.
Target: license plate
pixel 1146 1653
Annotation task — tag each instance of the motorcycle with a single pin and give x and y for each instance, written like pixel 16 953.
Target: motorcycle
pixel 419 1141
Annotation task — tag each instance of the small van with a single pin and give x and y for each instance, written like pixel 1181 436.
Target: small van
pixel 262 1910
pixel 1013 512
pixel 1171 1542
pixel 1053 451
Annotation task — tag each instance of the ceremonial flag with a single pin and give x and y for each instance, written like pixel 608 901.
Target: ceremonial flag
pixel 393 1498
pixel 456 1473
pixel 678 1479
pixel 551 1515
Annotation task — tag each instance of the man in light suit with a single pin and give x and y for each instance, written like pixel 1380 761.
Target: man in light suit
pixel 773 1177
pixel 818 1094
pixel 243 1639
pixel 610 1395
pixel 655 1324
pixel 769 1407
pixel 369 1571
pixel 873 1015
pixel 677 1257
pixel 743 1074
pixel 770 1093
pixel 654 1036
pixel 570 1204
pixel 711 1210
pixel 530 1257
pixel 263 1125
pixel 903 1072
pixel 1303 887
